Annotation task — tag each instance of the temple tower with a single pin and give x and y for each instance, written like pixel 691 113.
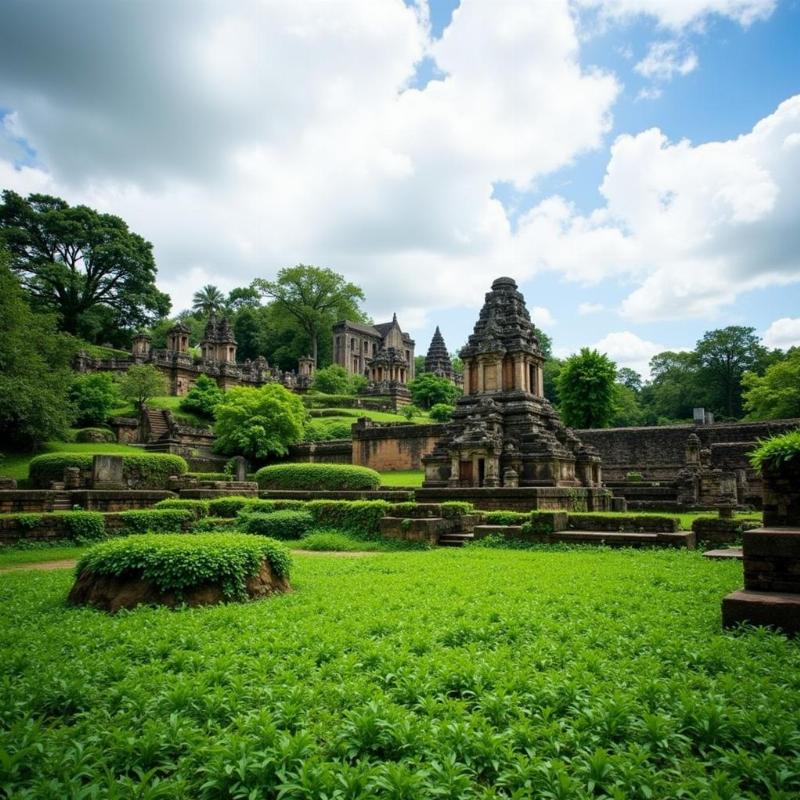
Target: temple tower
pixel 437 361
pixel 178 338
pixel 140 347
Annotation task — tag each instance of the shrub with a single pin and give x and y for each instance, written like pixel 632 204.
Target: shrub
pixel 198 507
pixel 456 508
pixel 359 517
pixel 140 382
pixel 202 398
pixel 332 380
pixel 178 563
pixel 145 471
pixel 409 412
pixel 634 477
pixel 268 506
pixel 336 477
pixel 228 506
pixel 169 520
pixel 278 524
pixel 93 396
pixel 507 517
pixel 428 390
pixel 257 423
pixel 441 412
pixel 326 430
pixel 84 526
pixel 94 435
pixel 776 450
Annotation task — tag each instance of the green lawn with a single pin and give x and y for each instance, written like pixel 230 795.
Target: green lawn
pixel 555 673
pixel 168 402
pixel 10 557
pixel 408 477
pixel 15 465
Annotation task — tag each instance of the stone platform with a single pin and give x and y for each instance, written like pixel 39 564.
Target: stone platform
pixel 523 498
pixel 775 609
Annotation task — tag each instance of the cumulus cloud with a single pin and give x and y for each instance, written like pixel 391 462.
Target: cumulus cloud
pixel 629 350
pixel 590 308
pixel 542 317
pixel 783 333
pixel 665 60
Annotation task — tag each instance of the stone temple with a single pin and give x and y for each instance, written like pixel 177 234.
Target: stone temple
pixel 504 432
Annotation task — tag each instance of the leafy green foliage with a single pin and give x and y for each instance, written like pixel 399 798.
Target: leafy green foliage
pixel 257 423
pixel 76 526
pixel 360 518
pixel 776 393
pixel 199 508
pixel 34 369
pixel 162 520
pixel 278 524
pixel 337 477
pixel 87 267
pixel 507 517
pixel 203 397
pixel 140 382
pixel 554 673
pixel 88 435
pixel 93 396
pixel 326 430
pixel 227 506
pixel 140 471
pixel 428 390
pixel 456 508
pixel 178 563
pixel 586 389
pixel 776 450
pixel 208 300
pixel 441 412
pixel 332 380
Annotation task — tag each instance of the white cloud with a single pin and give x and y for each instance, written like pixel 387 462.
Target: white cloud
pixel 667 59
pixel 629 350
pixel 590 308
pixel 542 317
pixel 677 14
pixel 649 93
pixel 783 333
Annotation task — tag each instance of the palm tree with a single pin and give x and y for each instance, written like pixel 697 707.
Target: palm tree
pixel 209 299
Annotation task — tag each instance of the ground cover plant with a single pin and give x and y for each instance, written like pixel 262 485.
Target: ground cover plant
pixel 581 673
pixel 304 476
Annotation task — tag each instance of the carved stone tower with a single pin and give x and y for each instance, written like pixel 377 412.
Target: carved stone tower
pixel 438 359
pixel 178 338
pixel 504 431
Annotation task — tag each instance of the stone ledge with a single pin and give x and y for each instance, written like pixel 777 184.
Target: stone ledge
pixel 780 542
pixel 775 609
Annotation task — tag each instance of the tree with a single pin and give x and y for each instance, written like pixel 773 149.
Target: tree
pixel 257 423
pixel 586 389
pixel 332 380
pixel 775 394
pixel 441 412
pixel 93 396
pixel 427 390
pixel 315 298
pixel 723 356
pixel 630 378
pixel 34 369
pixel 208 300
pixel 242 297
pixel 74 261
pixel 626 411
pixel 673 389
pixel 203 397
pixel 141 382
pixel 550 372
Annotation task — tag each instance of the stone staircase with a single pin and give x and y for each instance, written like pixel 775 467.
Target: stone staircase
pixel 157 423
pixel 62 501
pixel 455 539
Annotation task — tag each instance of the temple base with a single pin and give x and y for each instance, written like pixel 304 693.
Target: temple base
pixel 524 498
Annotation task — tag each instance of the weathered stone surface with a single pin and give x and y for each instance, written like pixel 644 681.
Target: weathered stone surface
pixel 774 609
pixel 7 484
pixel 782 493
pixel 107 472
pixel 112 593
pixel 437 361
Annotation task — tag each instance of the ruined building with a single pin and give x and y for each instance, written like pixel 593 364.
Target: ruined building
pixel 504 432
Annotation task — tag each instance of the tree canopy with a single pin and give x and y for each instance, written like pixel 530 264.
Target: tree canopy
pixel 208 300
pixel 141 382
pixel 87 267
pixel 776 393
pixel 428 390
pixel 586 389
pixel 315 297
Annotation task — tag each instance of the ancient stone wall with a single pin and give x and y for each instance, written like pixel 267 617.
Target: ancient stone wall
pixel 393 447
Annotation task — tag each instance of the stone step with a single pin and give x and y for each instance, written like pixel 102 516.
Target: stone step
pixel 679 539
pixel 455 539
pixel 724 553
pixel 776 609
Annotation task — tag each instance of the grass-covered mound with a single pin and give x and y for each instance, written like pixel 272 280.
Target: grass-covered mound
pixel 170 569
pixel 139 471
pixel 314 477
pixel 568 673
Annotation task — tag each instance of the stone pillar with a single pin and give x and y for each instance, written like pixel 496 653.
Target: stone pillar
pixel 479 367
pixel 454 471
pixel 466 377
pixel 519 374
pixel 491 477
pixel 499 372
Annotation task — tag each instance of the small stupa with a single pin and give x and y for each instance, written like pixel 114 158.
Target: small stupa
pixel 437 361
pixel 504 432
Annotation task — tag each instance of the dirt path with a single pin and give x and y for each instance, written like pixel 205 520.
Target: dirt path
pixel 68 563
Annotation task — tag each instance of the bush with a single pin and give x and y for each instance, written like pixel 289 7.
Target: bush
pixel 202 398
pixel 145 471
pixel 94 435
pixel 634 477
pixel 409 412
pixel 199 508
pixel 179 563
pixel 278 524
pixel 93 396
pixel 776 450
pixel 332 380
pixel 326 430
pixel 335 477
pixel 228 506
pixel 140 382
pixel 429 390
pixel 169 520
pixel 268 506
pixel 456 508
pixel 442 412
pixel 359 517
pixel 78 526
pixel 507 517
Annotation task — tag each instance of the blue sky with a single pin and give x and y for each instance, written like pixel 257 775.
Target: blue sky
pixel 632 163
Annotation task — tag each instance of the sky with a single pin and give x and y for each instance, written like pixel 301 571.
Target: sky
pixel 633 164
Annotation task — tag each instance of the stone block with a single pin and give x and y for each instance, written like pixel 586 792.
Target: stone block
pixel 619 504
pixel 7 484
pixel 107 472
pixel 772 543
pixel 779 610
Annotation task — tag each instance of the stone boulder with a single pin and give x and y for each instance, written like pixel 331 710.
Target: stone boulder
pixel 112 593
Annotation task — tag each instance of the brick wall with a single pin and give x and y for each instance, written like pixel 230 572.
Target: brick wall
pixel 393 447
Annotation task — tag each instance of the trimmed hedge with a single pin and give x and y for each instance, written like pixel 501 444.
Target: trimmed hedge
pixel 358 517
pixel 168 520
pixel 228 506
pixel 178 563
pixel 333 477
pixel 78 526
pixel 507 517
pixel 278 524
pixel 139 471
pixel 94 435
pixel 198 507
pixel 456 508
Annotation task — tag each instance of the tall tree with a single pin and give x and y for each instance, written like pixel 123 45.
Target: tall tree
pixel 630 378
pixel 673 389
pixel 315 298
pixel 776 393
pixel 75 260
pixel 723 356
pixel 208 300
pixel 34 369
pixel 586 389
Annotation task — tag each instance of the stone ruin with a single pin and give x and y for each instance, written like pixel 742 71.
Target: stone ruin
pixel 437 360
pixel 504 432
